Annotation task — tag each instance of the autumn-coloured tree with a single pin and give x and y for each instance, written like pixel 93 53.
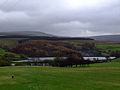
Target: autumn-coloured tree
pixel 37 48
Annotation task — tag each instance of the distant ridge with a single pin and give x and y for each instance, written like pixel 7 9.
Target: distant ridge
pixel 25 33
pixel 35 35
pixel 106 38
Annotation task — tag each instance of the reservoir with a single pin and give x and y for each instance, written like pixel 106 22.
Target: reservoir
pixel 30 59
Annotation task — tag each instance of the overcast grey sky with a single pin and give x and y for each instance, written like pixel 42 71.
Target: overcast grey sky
pixel 61 17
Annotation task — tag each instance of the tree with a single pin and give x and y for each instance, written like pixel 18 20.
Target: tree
pixel 4 62
pixel 9 56
pixel 88 46
pixel 115 54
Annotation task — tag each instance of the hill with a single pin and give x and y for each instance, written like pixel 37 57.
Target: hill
pixel 37 35
pixel 25 33
pixel 107 38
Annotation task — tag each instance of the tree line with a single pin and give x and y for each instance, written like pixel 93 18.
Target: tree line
pixel 73 60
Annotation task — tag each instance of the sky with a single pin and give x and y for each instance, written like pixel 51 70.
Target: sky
pixel 61 17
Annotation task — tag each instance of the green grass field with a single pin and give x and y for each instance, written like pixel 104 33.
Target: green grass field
pixel 104 76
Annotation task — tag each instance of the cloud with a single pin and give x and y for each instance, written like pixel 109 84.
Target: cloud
pixel 13 16
pixel 72 28
pixel 58 17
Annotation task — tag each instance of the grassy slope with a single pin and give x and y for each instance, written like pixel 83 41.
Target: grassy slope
pixel 112 47
pixel 108 48
pixel 9 42
pixel 105 76
pixel 3 52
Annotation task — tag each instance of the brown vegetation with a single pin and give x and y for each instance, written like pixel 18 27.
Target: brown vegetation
pixel 38 48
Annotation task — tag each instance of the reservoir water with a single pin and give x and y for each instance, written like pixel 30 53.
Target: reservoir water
pixel 52 58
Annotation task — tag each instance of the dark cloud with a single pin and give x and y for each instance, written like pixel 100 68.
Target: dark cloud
pixel 61 17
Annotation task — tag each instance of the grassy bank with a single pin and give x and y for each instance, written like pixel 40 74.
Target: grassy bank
pixel 103 76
